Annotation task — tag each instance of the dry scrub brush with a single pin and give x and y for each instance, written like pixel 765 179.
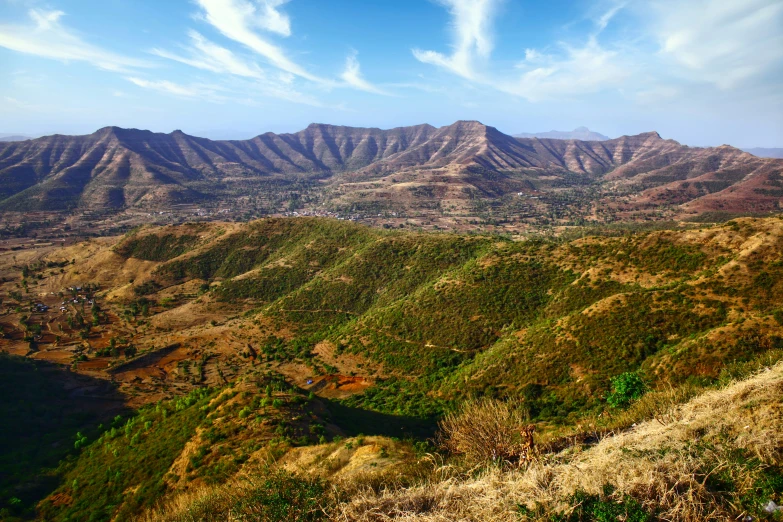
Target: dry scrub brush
pixel 485 430
pixel 700 461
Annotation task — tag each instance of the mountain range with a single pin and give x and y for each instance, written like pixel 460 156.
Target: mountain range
pixel 408 169
pixel 13 137
pixel 763 152
pixel 579 133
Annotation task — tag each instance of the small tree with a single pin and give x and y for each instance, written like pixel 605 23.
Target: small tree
pixel 626 388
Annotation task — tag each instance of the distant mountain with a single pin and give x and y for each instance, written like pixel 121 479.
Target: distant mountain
pixel 14 137
pixel 765 153
pixel 579 133
pixel 407 168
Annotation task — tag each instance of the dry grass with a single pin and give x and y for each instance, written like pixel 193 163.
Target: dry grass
pixel 268 497
pixel 486 430
pixel 664 463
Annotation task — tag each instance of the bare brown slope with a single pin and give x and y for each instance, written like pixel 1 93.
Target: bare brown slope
pixel 119 168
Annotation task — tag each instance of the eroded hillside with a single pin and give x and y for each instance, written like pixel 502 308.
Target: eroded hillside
pixel 460 176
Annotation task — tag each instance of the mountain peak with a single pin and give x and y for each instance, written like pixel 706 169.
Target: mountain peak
pixel 651 134
pixel 471 127
pixel 467 124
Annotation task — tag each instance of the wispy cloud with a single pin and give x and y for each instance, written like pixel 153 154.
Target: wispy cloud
pixel 187 91
pixel 603 19
pixel 581 70
pixel 244 22
pixel 47 37
pixel 352 76
pixel 724 43
pixel 208 56
pixel 239 20
pixel 243 91
pixel 574 70
pixel 473 38
pixel 699 41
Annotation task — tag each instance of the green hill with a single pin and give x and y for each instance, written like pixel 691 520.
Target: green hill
pixel 253 342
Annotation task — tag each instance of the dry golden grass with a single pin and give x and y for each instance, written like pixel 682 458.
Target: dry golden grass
pixel 486 431
pixel 664 463
pixel 656 462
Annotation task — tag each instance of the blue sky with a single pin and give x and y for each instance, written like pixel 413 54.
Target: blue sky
pixel 703 72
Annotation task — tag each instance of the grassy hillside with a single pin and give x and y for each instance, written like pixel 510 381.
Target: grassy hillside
pixel 473 315
pixel 280 334
pixel 205 436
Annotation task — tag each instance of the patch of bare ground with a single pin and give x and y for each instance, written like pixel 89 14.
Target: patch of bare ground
pixel 605 305
pixel 349 459
pixel 346 363
pixel 339 386
pixel 199 312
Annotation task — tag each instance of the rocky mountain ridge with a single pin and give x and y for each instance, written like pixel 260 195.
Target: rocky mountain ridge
pixel 130 168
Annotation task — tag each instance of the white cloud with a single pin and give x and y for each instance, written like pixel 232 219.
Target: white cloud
pixel 352 76
pixel 719 41
pixel 724 43
pixel 602 21
pixel 242 21
pixel 582 70
pixel 246 92
pixel 574 71
pixel 272 19
pixel 206 55
pixel 472 26
pixel 172 88
pixel 238 21
pixel 49 38
pixel 532 56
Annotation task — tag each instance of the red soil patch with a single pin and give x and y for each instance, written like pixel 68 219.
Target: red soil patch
pixel 160 368
pixel 61 499
pixel 93 365
pixel 54 356
pixel 339 386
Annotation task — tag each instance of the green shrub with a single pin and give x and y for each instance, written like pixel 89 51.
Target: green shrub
pixel 597 508
pixel 626 388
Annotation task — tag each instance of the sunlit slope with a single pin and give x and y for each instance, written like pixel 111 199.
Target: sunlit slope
pixel 446 315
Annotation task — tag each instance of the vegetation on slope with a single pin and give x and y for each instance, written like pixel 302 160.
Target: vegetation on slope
pixel 205 436
pixel 715 456
pixel 41 413
pixel 470 315
pixel 416 324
